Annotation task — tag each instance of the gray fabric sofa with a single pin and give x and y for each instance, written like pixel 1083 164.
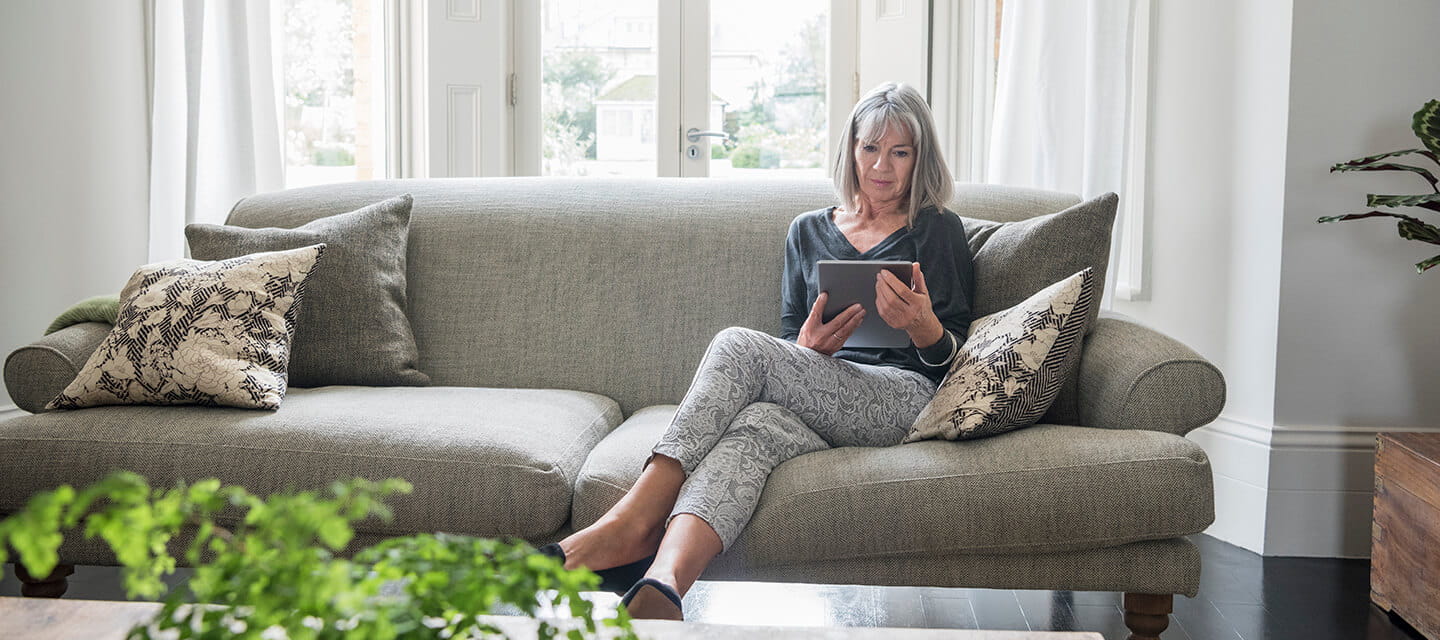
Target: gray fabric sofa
pixel 562 319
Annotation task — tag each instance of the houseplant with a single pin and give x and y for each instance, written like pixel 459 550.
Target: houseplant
pixel 273 569
pixel 1426 125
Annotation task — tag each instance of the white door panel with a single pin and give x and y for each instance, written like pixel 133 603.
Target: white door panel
pixel 894 43
pixel 467 70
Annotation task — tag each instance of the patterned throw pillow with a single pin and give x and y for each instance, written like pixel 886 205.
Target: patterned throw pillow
pixel 1013 260
pixel 196 332
pixel 1011 366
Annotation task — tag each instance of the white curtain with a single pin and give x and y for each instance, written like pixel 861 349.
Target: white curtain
pixel 214 123
pixel 1061 100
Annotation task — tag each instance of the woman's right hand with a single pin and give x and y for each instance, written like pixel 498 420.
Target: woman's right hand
pixel 828 337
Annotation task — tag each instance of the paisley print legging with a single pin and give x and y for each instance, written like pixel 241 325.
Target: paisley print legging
pixel 758 400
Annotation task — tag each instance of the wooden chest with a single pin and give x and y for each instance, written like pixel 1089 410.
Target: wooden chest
pixel 1405 546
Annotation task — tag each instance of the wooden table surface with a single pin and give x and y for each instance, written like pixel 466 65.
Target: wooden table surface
pixel 25 618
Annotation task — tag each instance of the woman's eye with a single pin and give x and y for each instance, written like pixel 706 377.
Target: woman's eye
pixel 903 154
pixel 869 148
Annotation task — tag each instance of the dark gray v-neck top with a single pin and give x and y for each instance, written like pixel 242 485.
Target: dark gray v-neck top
pixel 937 242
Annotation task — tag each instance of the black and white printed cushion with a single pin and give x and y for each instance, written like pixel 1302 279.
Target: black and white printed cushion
pixel 1011 366
pixel 197 332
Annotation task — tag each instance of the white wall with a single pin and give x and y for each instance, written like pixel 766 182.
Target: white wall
pixel 1360 344
pixel 1219 83
pixel 1359 347
pixel 74 162
pixel 1325 333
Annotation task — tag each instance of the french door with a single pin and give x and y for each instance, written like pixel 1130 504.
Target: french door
pixel 652 88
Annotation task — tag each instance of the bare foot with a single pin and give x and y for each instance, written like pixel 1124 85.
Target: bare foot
pixel 610 543
pixel 650 604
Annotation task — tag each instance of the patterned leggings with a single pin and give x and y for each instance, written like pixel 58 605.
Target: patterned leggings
pixel 758 400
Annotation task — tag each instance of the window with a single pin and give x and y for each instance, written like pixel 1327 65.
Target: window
pixel 647 126
pixel 605 119
pixel 333 90
pixel 769 81
pixel 624 123
pixel 614 100
pixel 598 62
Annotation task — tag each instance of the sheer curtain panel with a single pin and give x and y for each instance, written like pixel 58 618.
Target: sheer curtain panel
pixel 214 126
pixel 1062 101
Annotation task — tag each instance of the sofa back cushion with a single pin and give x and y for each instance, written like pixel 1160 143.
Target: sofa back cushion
pixel 613 286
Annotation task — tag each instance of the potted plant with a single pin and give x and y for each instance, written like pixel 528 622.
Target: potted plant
pixel 274 572
pixel 1426 125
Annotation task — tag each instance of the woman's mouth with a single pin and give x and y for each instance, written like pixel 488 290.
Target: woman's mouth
pixel 882 183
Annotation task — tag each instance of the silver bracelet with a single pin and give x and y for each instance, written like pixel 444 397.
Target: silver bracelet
pixel 954 349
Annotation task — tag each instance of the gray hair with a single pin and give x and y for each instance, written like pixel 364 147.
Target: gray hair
pixel 895 104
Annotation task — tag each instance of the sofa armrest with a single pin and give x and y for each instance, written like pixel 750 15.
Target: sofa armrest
pixel 1134 377
pixel 39 371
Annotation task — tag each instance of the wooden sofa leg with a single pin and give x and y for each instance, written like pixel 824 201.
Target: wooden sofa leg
pixel 1146 615
pixel 51 586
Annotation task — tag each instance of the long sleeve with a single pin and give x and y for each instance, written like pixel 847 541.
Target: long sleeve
pixel 794 294
pixel 949 270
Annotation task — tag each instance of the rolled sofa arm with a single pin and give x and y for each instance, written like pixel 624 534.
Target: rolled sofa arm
pixel 1134 377
pixel 39 371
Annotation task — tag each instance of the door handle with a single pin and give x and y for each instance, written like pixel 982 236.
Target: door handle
pixel 695 134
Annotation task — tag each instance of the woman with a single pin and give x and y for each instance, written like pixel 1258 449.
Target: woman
pixel 757 400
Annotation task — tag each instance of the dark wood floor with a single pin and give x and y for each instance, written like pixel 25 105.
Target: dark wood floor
pixel 1242 596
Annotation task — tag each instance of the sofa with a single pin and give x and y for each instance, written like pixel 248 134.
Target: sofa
pixel 561 319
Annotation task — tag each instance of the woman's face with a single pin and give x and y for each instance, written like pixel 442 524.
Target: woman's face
pixel 883 166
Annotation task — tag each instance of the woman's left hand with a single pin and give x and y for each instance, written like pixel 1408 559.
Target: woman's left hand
pixel 908 308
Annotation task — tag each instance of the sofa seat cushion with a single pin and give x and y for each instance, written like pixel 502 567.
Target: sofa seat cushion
pixel 1047 488
pixel 483 461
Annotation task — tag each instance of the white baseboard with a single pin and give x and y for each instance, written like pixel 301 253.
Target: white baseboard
pixel 1321 491
pixel 1292 490
pixel 1239 514
pixel 1331 437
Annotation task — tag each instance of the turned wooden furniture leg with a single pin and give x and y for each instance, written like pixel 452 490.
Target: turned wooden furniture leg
pixel 1146 615
pixel 51 586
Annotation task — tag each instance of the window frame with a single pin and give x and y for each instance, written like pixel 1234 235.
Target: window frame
pixel 674 17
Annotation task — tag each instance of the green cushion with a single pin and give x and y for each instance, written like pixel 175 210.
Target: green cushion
pixel 96 309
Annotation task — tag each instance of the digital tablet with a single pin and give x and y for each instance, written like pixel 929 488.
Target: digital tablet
pixel 852 281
